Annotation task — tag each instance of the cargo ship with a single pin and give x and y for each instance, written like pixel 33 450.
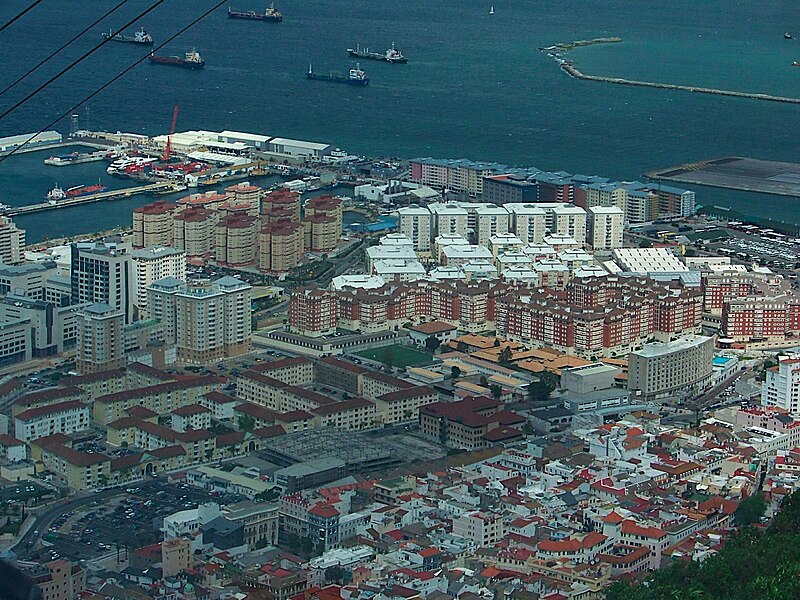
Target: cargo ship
pixel 191 60
pixel 356 76
pixel 392 55
pixel 57 193
pixel 75 158
pixel 140 37
pixel 270 14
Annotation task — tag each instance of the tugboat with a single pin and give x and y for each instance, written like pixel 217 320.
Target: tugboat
pixel 140 37
pixel 356 76
pixel 787 36
pixel 392 55
pixel 191 60
pixel 270 14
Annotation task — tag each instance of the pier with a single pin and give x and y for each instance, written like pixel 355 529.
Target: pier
pixel 737 173
pixel 573 71
pixel 156 188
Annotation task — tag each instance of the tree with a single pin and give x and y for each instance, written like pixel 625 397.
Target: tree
pixel 483 381
pixel 505 356
pixel 497 391
pixel 246 423
pixel 496 342
pixel 455 372
pixel 432 343
pixel 645 243
pixel 334 574
pixel 462 347
pixel 751 509
pixel 539 391
pixel 388 355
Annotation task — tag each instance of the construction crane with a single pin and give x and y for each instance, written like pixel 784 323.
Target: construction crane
pixel 168 148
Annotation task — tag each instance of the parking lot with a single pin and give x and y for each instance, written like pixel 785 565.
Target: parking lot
pixel 27 492
pixel 133 520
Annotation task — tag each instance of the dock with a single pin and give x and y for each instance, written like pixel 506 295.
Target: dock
pixel 570 69
pixel 76 159
pixel 737 173
pixel 156 188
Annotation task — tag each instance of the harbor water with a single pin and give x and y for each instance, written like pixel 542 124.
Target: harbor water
pixel 475 86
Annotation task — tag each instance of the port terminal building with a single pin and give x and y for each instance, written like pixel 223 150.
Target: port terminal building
pixel 239 143
pixel 44 139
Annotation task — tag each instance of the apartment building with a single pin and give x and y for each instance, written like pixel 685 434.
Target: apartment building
pixel 206 320
pixel 528 222
pixel 151 264
pixel 681 368
pixel 605 227
pixel 102 273
pixel 782 385
pixel 402 406
pixel 81 471
pixel 58 579
pixel 352 415
pixel 483 529
pixel 194 231
pixel 490 221
pixel 761 322
pixel 63 417
pixel 12 242
pixel 416 224
pixel 153 224
pixel 280 246
pixel 100 346
pixel 506 189
pixel 235 240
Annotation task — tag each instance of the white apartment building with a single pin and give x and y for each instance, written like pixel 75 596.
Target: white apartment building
pixel 387 252
pixel 673 369
pixel 12 241
pixel 606 195
pixel 415 223
pixel 782 386
pixel 399 269
pixel 482 528
pixel 528 222
pixel 489 221
pixel 505 242
pixel 102 273
pixel 150 265
pixel 605 227
pixel 64 417
pixel 449 218
pixel 567 219
pixel 459 255
pixel 448 239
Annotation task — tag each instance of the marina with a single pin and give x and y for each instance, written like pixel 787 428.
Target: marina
pixel 153 188
pixel 737 173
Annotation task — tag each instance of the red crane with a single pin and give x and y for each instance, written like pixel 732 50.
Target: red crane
pixel 168 149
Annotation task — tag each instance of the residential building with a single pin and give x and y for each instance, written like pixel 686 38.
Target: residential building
pixel 100 344
pixel 12 242
pixel 151 264
pixel 206 320
pixel 490 221
pixel 103 274
pixel 506 189
pixel 605 227
pixel 449 218
pixel 280 246
pixel 194 231
pixel 58 579
pixel 484 529
pixel 782 385
pixel 681 368
pixel 29 279
pixel 153 224
pixel 528 222
pixel 49 328
pixel 415 223
pixel 235 240
pixel 64 417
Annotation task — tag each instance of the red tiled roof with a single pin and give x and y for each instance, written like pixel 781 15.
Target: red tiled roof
pixel 49 440
pixel 78 380
pixel 10 441
pixel 294 415
pixel 411 392
pixel 79 459
pixel 220 398
pixel 141 412
pixel 229 439
pixel 256 411
pixel 35 413
pixel 49 394
pixel 190 409
pixel 590 540
pixel 167 452
pixel 280 364
pixel 336 407
pixel 160 388
pixel 269 432
pixel 632 528
pixel 433 327
pixel 324 511
pixel 344 365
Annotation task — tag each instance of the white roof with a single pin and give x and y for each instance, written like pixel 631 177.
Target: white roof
pixel 252 137
pixel 560 239
pixel 520 274
pixel 298 143
pixel 606 210
pixel 466 252
pixel 440 273
pixel 491 210
pixel 415 211
pixel 505 238
pixel 568 209
pixel 381 252
pixel 449 208
pixel 524 208
pixel 396 239
pixel 648 260
pixel 365 282
pixel 448 239
pixel 590 271
pixel 398 266
pixel 550 266
pixel 514 258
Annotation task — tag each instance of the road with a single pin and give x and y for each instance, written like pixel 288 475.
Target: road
pixel 707 398
pixel 45 518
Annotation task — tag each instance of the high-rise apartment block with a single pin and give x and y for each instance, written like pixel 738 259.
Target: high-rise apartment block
pixel 103 274
pixel 415 224
pixel 206 320
pixel 100 345
pixel 12 241
pixel 782 385
pixel 669 370
pixel 605 227
pixel 153 224
pixel 151 264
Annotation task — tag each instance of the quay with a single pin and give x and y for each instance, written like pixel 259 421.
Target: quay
pixel 737 173
pixel 570 69
pixel 75 159
pixel 157 188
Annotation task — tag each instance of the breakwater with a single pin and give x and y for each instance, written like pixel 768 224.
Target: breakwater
pixel 570 69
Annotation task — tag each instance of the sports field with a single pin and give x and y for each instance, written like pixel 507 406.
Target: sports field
pixel 396 356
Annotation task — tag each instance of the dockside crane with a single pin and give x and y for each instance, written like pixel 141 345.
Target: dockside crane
pixel 168 148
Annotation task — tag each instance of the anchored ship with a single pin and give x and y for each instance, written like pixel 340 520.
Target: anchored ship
pixel 270 14
pixel 140 37
pixel 57 193
pixel 191 60
pixel 392 55
pixel 356 76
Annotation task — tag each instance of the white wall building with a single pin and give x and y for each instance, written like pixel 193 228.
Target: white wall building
pixel 449 218
pixel 605 227
pixel 151 264
pixel 782 386
pixel 490 221
pixel 528 222
pixel 63 417
pixel 415 222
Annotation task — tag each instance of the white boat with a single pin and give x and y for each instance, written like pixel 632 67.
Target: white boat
pixel 55 195
pixel 491 10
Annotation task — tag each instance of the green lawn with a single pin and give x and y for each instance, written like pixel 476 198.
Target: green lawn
pixel 396 356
